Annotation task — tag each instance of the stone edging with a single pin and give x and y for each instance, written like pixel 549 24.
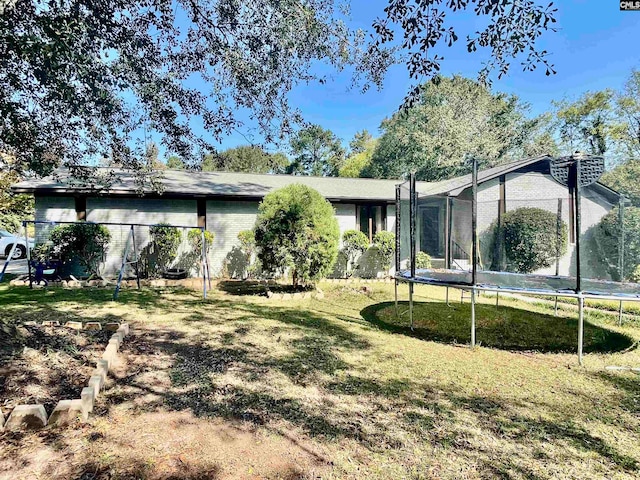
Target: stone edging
pixel 34 416
pixel 345 281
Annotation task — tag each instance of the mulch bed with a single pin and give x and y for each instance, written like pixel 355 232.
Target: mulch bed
pixel 53 364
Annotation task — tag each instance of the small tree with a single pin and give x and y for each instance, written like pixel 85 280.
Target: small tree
pixel 607 236
pixel 165 240
pixel 531 238
pixel 84 242
pixel 385 242
pixel 247 240
pixel 354 244
pixel 195 240
pixel 296 228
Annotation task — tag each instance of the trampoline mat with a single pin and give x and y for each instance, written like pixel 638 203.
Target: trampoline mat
pixel 545 284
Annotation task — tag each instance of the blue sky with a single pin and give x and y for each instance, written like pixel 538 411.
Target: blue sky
pixel 595 48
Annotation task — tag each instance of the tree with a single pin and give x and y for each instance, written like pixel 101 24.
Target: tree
pixel 360 142
pixel 624 178
pixel 316 152
pixel 151 157
pixel 628 111
pixel 588 124
pixel 357 164
pixel 296 228
pixel 81 79
pixel 453 118
pixel 246 158
pixel 354 244
pixel 174 162
pixel 14 208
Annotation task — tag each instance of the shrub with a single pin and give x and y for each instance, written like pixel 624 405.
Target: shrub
pixel 84 242
pixel 385 242
pixel 423 260
pixel 10 222
pixel 530 238
pixel 635 276
pixel 354 244
pixel 247 240
pixel 607 235
pixel 165 240
pixel 195 240
pixel 296 228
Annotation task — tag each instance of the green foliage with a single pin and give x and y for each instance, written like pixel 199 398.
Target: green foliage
pixel 296 228
pixel 635 275
pixel 385 243
pixel 453 118
pixel 10 222
pixel 360 142
pixel 354 244
pixel 628 111
pixel 247 159
pixel 247 240
pixel 13 208
pixel 165 240
pixel 423 260
pixel 624 179
pixel 587 123
pixel 358 163
pixel 195 239
pixel 531 240
pixel 175 163
pixel 85 242
pixel 607 236
pixel 316 152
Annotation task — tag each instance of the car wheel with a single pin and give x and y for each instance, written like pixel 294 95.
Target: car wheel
pixel 20 252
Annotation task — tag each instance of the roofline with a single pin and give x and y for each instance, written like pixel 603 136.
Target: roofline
pixel 184 195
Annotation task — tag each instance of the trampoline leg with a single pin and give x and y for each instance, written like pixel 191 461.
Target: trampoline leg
pixel 396 295
pixel 620 314
pixel 447 297
pixel 555 308
pixel 497 299
pixel 411 304
pixel 473 318
pixel 580 328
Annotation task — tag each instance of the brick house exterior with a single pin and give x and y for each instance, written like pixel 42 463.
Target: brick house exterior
pixel 226 203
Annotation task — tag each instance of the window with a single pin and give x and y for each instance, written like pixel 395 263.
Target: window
pixel 371 219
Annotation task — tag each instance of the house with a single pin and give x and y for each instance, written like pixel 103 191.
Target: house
pixel 226 203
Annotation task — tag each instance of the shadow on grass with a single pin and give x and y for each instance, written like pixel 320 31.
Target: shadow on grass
pixel 254 287
pixel 505 328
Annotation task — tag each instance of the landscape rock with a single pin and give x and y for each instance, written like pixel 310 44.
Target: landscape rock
pixel 74 284
pixel 269 294
pixel 87 397
pixel 112 327
pixel 158 283
pixel 30 353
pixel 27 417
pixel 92 326
pixel 124 328
pixel 1 421
pixel 18 283
pixel 94 283
pixel 286 296
pixel 67 411
pixel 297 295
pixel 51 323
pixel 103 366
pixel 74 325
pixel 96 382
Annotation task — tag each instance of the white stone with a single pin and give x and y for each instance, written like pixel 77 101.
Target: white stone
pixel 27 417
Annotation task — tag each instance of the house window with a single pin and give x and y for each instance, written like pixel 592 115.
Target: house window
pixel 371 219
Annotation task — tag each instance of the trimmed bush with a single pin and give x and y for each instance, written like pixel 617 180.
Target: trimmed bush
pixel 85 243
pixel 354 244
pixel 423 260
pixel 195 240
pixel 165 241
pixel 385 243
pixel 530 239
pixel 296 228
pixel 607 236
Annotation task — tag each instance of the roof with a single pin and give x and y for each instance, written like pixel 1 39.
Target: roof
pixel 455 186
pixel 218 184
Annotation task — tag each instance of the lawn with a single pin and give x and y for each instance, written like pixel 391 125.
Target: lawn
pixel 243 387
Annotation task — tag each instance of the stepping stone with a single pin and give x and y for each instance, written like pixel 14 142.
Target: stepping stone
pixel 112 327
pixel 92 326
pixel 74 325
pixel 67 411
pixel 27 417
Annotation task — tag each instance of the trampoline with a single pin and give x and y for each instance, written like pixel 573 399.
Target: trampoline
pixel 465 237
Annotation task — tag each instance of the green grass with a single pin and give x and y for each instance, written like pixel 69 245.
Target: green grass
pixel 346 377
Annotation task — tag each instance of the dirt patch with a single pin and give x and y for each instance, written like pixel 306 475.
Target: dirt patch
pixel 55 363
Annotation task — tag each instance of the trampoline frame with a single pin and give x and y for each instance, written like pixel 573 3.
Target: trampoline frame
pixel 473 287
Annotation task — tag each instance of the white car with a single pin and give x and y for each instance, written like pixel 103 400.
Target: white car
pixel 6 243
